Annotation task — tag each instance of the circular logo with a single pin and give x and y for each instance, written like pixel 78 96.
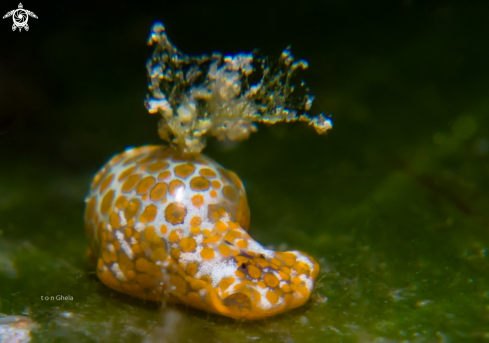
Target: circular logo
pixel 20 17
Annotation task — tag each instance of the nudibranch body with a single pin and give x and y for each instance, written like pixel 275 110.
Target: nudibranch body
pixel 165 224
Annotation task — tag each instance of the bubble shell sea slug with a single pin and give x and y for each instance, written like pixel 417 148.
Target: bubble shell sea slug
pixel 168 223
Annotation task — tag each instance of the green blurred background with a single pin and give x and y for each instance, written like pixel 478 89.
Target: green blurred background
pixel 393 201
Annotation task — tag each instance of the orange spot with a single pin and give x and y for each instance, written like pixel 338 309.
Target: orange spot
pixel 206 233
pixel 199 184
pixel 230 236
pixel 254 272
pixel 233 225
pixel 130 183
pixel 285 270
pixel 296 280
pixel 106 256
pixel 175 213
pixel 116 159
pixel 237 181
pixel 272 297
pixel 191 269
pixel 175 253
pixel 286 288
pixel 130 274
pixel 149 233
pixel 271 280
pixel 130 160
pixel 261 262
pixel 304 291
pixel 229 193
pixel 206 278
pixel 241 259
pixel 302 268
pixel 145 185
pixel 90 208
pixel 212 239
pixel 195 221
pixel 175 185
pixel 114 220
pixel 288 299
pixel 198 200
pixel 243 215
pixel 158 191
pixel 256 295
pixel 215 184
pixel 261 284
pixel 163 229
pixel 132 209
pixel 226 282
pixel 242 244
pixel 121 202
pixel 276 262
pixel 225 250
pixel 239 274
pixel 128 232
pixel 143 265
pixel 156 167
pixel 158 254
pixel 207 253
pixel 195 230
pixel 106 183
pixel 107 202
pixel 99 177
pixel 284 276
pixel 224 175
pixel 173 237
pixel 197 284
pixel 188 244
pixel 147 159
pixel 288 258
pixel 149 214
pixel 164 175
pixel 184 170
pixel 126 173
pixel 208 173
pixel 221 226
pixel 136 249
pixel 213 193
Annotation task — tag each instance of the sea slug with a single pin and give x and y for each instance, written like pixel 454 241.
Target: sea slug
pixel 168 223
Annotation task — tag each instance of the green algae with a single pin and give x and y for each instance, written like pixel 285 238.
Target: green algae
pixel 393 203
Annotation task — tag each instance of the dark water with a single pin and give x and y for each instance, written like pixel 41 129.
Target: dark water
pixel 393 201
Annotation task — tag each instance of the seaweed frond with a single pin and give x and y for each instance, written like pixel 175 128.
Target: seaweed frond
pixel 199 95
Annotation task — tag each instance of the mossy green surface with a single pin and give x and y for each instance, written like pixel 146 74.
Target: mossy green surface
pixel 393 202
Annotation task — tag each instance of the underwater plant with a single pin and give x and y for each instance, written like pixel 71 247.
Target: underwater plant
pixel 166 223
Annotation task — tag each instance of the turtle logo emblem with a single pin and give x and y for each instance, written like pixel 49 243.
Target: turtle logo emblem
pixel 20 17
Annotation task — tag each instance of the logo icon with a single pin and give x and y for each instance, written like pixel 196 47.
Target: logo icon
pixel 20 17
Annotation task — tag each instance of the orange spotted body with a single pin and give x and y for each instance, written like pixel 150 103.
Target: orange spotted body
pixel 165 225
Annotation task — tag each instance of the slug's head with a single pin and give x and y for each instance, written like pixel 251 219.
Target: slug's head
pixel 269 282
pixel 246 281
